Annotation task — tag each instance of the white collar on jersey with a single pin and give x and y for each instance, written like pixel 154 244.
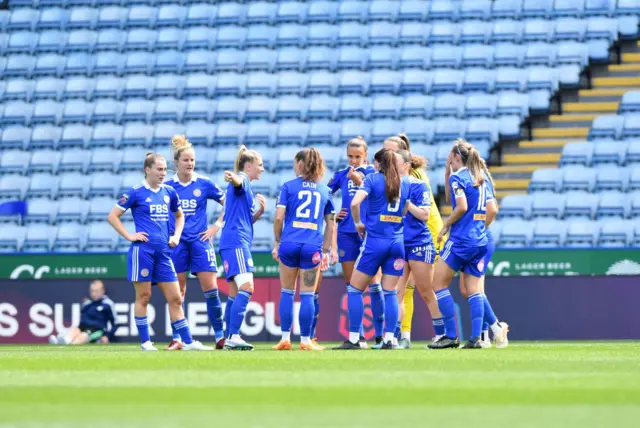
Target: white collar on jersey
pixel 146 186
pixel 194 177
pixel 460 170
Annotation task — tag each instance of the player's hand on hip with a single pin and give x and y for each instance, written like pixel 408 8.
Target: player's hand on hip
pixel 139 237
pixel 209 234
pixel 324 264
pixel 173 241
pixel 342 214
pixel 333 256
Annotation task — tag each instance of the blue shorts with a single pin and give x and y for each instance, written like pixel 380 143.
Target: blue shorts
pixel 236 261
pixel 196 256
pixel 491 247
pixel 349 245
pixel 422 253
pixel 377 253
pixel 466 259
pixel 303 256
pixel 146 264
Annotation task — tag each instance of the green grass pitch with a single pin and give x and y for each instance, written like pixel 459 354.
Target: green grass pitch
pixel 527 385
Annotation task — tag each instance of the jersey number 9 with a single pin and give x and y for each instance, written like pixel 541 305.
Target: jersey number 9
pixel 307 196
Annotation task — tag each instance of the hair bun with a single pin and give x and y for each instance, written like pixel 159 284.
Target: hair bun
pixel 179 142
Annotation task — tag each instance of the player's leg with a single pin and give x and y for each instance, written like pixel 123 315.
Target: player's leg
pixel 316 311
pixel 309 261
pixel 445 270
pixel 349 245
pixel 424 268
pixel 228 261
pixel 401 288
pixel 180 259
pixel 203 265
pixel 80 339
pixel 64 338
pixel 143 294
pixel 377 306
pixel 176 340
pixel 242 273
pixel 289 254
pixel 365 267
pixel 392 271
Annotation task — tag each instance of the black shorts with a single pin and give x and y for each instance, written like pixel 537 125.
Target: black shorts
pixel 94 333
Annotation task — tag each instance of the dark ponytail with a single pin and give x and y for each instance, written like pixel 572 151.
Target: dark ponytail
pixel 387 160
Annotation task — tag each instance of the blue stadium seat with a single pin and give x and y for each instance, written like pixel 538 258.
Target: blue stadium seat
pixel 477 56
pixel 322 11
pixel 292 107
pixel 540 54
pixel 352 58
pixel 352 11
pixel 53 18
pixel 47 112
pixel 507 31
pixel 45 161
pixel 475 9
pixel 141 39
pixel 630 102
pixel 578 178
pixel 577 154
pixel 291 35
pixel 380 10
pixel 19 66
pixel 73 184
pixel 38 238
pixel 348 129
pixel 291 59
pixel 261 36
pixel 481 105
pixel 112 63
pixel 138 86
pixel 447 130
pixel 611 178
pixel 537 9
pixel 100 238
pixel 137 111
pixel 516 206
pixel 111 17
pixel 414 33
pixel 291 12
pixel 72 210
pixel 199 110
pixel 580 205
pixel 73 111
pixel 549 233
pixel 74 136
pixel 15 137
pixel 42 211
pixel 602 29
pixel 446 56
pixel 261 59
pixel 19 89
pixel 170 38
pixel 107 136
pixel 606 126
pixel 74 160
pixel 82 18
pixel 79 64
pixel 570 29
pixel 355 107
pixel 445 80
pixel 508 55
pixel 17 112
pixel 22 19
pixel 572 53
pixel 516 234
pixel 546 204
pixel 634 209
pixel 22 42
pixel 168 109
pixel 107 111
pixel 172 85
pixel 443 10
pixel 205 14
pixel 200 60
pixel 230 60
pixel 614 234
pixel 538 30
pixel 475 32
pixel 13 187
pixel 443 32
pixel 52 41
pixel 164 131
pixel 546 179
pixel 12 239
pixel 631 127
pixel 74 88
pixel 45 137
pixel 415 57
pixel 383 34
pixel 415 105
pixel 172 15
pixel 110 40
pixel 141 16
pixel 323 107
pixel 257 13
pixel 350 33
pixel 81 41
pixel 135 134
pixel 322 35
pixel 386 106
pixel 568 8
pixel 627 7
pixel 230 134
pixel 629 27
pixel 199 85
pixel 613 204
pixel 225 158
pixel 609 152
pixel 131 157
pixel 479 80
pixel 413 10
pixel 449 105
pixel 49 65
pixel 261 133
pixel 105 184
pixel 169 62
pixel 257 108
pixel 599 7
pixel 633 152
pixel 292 132
pixel 353 82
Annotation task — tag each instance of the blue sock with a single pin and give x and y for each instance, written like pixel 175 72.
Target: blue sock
pixel 238 310
pixel 285 309
pixel 390 310
pixel 305 317
pixel 448 311
pixel 143 328
pixel 214 310
pixel 316 314
pixel 476 304
pixel 398 332
pixel 174 333
pixel 377 308
pixel 438 326
pixel 355 304
pixel 227 315
pixel 489 317
pixel 182 327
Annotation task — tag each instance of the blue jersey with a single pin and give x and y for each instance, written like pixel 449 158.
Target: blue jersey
pixel 193 199
pixel 306 204
pixel 341 181
pixel 99 314
pixel 239 204
pixel 151 210
pixel 416 231
pixel 490 197
pixel 384 218
pixel 469 230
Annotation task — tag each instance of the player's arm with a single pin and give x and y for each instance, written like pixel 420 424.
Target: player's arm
pixel 278 224
pixel 492 212
pixel 447 176
pixel 461 203
pixel 262 204
pixel 421 213
pixel 233 178
pixel 176 208
pixel 356 202
pixel 116 223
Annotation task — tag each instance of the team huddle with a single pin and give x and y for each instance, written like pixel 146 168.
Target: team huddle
pixel 387 235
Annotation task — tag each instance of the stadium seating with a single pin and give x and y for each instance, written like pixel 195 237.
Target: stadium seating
pixel 89 86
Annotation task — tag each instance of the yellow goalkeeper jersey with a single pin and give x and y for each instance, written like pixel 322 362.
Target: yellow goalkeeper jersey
pixel 434 222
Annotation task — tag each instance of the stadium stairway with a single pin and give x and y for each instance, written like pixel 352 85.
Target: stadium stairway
pixel 549 136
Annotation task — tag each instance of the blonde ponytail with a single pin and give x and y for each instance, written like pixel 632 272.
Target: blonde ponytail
pixel 179 144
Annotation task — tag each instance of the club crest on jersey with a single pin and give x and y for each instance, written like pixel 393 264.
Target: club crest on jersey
pixel 166 199
pixel 144 272
pixel 398 264
pixel 197 193
pixel 481 265
pixel 123 199
pixel 316 257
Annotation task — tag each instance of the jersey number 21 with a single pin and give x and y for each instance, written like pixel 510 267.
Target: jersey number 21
pixel 307 197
